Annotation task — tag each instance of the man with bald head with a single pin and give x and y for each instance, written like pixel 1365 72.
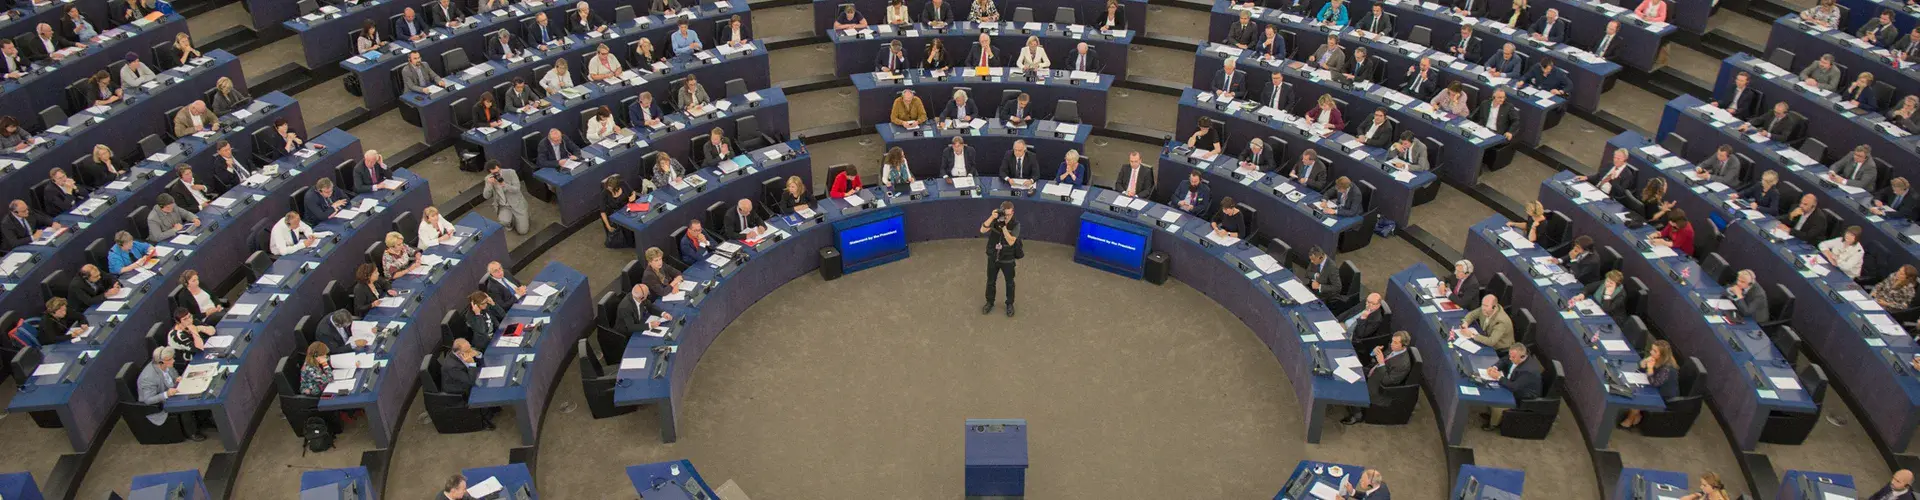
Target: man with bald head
pixel 1899 488
pixel 194 119
pixel 743 223
pixel 1805 221
pixel 45 43
pixel 22 225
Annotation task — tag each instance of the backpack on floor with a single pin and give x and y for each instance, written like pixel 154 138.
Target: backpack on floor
pixel 316 435
pixel 353 84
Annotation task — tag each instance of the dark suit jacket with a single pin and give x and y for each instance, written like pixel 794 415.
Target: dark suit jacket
pixel 452 13
pixel 500 293
pixel 1326 274
pixel 632 317
pixel 1585 268
pixel 319 208
pixel 636 114
pixel 1505 65
pixel 83 294
pixel 577 25
pixel 1421 87
pixel 12 234
pixel 554 31
pixel 690 253
pixel 364 179
pixel 1769 202
pixel 1745 104
pixel 1012 109
pixel 953 110
pixel 1023 168
pixel 221 179
pixel 1238 86
pixel 1502 123
pixel 494 50
pixel 59 202
pixel 1072 58
pixel 1615 305
pixel 364 298
pixel 1465 294
pixel 1348 207
pixel 973 58
pixel 1316 177
pixel 712 152
pixel 1394 372
pixel 185 199
pixel 1380 138
pixel 334 337
pixel 1813 231
pixel 1887 491
pixel 1242 34
pixel 1477 8
pixel 1285 100
pixel 901 63
pixel 19 60
pixel 1203 198
pixel 1365 328
pixel 455 377
pixel 658 286
pixel 1382 25
pixel 966 153
pixel 737 225
pixel 944 13
pixel 1908 207
pixel 1379 494
pixel 94 174
pixel 1473 45
pixel 1143 186
pixel 38 52
pixel 482 325
pixel 1554 80
pixel 1365 70
pixel 400 26
pixel 1783 128
pixel 551 155
pixel 1275 46
pixel 1559 33
pixel 1119 19
pixel 1524 382
pixel 1262 160
pixel 1754 303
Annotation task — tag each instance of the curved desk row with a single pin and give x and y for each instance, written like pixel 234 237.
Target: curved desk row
pixel 1828 119
pixel 22 18
pixel 46 84
pixel 1396 191
pixel 1473 482
pixel 825 11
pixel 82 392
pixel 1859 12
pixel 375 69
pixel 1463 144
pixel 327 36
pixel 536 359
pixel 1808 43
pixel 1428 316
pixel 261 322
pixel 715 186
pixel 436 112
pixel 104 212
pixel 579 193
pixel 1535 110
pixel 1750 378
pixel 877 93
pixel 1286 209
pixel 861 51
pixel 119 126
pixel 1243 279
pixel 926 147
pixel 1887 238
pixel 1638 43
pixel 1590 74
pixel 410 330
pixel 336 484
pixel 1586 341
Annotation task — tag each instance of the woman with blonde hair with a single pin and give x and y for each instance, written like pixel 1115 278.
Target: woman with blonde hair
pixel 434 229
pixel 660 278
pixel 1711 488
pixel 1662 372
pixel 1536 216
pixel 226 97
pixel 796 196
pixel 399 259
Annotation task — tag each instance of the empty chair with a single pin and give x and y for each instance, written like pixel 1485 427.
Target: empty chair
pixel 1716 268
pixel 748 135
pixel 1023 14
pixel 736 87
pixel 1421 35
pixel 53 115
pixel 1523 327
pixel 1067 111
pixel 1792 428
pixel 1676 144
pixel 1064 15
pixel 1787 342
pixel 1500 287
pixel 1350 287
pixel 1779 307
pixel 1814 149
pixel 598 383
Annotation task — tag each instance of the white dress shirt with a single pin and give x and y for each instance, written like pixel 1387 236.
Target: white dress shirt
pixel 288 240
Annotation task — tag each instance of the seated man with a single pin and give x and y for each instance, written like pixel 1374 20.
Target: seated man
pixel 1365 321
pixel 1136 177
pixel 191 195
pixel 1309 172
pixel 159 381
pixel 960 110
pixel 1897 200
pixel 1257 157
pixel 23 226
pixel 908 111
pixel 555 150
pixel 1805 222
pixel 1778 125
pixel 1229 81
pixel 1506 62
pixel 1520 374
pixel 1749 298
pixel 1376 130
pixel 958 161
pixel 640 312
pixel 718 147
pixel 62 193
pixel 1019 112
pixel 167 219
pixel 324 201
pixel 1550 28
pixel 1409 154
pixel 290 235
pixel 1422 80
pixel 1194 196
pixel 416 76
pixel 1390 366
pixel 460 368
pixel 1279 94
pixel 1322 277
pixel 743 223
pixel 1545 77
pixel 504 47
pixel 1488 325
pixel 1018 164
pixel 1460 287
pixel 1343 199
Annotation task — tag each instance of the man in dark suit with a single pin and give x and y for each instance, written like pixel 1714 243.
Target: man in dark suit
pixel 1194 196
pixel 1582 261
pixel 556 149
pixel 335 330
pixel 12 63
pixel 1608 41
pixel 1019 163
pixel 1279 94
pixel 1545 77
pixel 372 171
pixel 1343 199
pixel 958 161
pixel 1520 374
pixel 1390 366
pixel 936 11
pixel 1464 45
pixel 1365 68
pixel 1018 112
pixel 1135 178
pixel 323 201
pixel 1550 28
pixel 542 31
pixel 1321 275
pixel 90 287
pixel 1084 58
pixel 460 368
pixel 1364 321
pixel 1880 30
pixel 1271 46
pixel 1422 80
pixel 228 171
pixel 718 147
pixel 1229 81
pixel 503 288
pixel 1496 114
pixel 636 311
pixel 1376 21
pixel 503 46
pixel 22 225
pixel 1744 101
pixel 45 42
pixel 1897 200
pixel 1506 62
pixel 894 59
pixel 1461 287
pixel 410 26
pixel 184 192
pixel 61 193
pixel 1805 221
pixel 743 223
pixel 960 108
pixel 1471 8
pixel 1778 125
pixel 1900 487
pixel 1376 130
pixel 1309 172
pixel 446 13
pixel 1909 45
pixel 483 317
pixel 982 54
pixel 1257 156
pixel 1749 298
pixel 1242 32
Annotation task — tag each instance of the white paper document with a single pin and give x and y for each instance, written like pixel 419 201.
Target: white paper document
pixel 484 488
pixel 1466 344
pixel 639 363
pixel 493 372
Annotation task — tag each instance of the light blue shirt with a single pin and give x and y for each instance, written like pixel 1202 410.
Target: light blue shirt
pixel 118 258
pixel 683 41
pixel 1328 15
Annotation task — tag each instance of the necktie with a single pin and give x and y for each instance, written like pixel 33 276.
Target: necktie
pixel 1081 64
pixel 543 35
pixel 1375 26
pixel 1602 49
pixel 1896 200
pixel 1228 80
pixel 23 224
pixel 983 57
pixel 1548 31
pixel 1274 99
pixel 1133 178
pixel 1417 79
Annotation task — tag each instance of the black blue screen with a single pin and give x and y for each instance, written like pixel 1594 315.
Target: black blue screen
pixel 1113 245
pixel 872 239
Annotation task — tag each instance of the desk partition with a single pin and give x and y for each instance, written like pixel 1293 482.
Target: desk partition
pixel 1245 280
pixel 1473 482
pixel 664 213
pixel 1809 485
pixel 376 69
pixel 927 146
pixel 326 36
pixel 1086 11
pixel 936 90
pixel 1286 209
pixel 337 484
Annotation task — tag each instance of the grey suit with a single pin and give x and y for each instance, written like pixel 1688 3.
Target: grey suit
pixel 1415 156
pixel 418 78
pixel 1724 172
pixel 1753 304
pixel 1334 59
pixel 160 222
pixel 1859 175
pixel 509 200
pixel 1828 79
pixel 153 384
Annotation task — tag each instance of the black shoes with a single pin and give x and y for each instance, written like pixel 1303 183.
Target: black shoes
pixel 1009 309
pixel 197 437
pixel 1354 418
pixel 986 309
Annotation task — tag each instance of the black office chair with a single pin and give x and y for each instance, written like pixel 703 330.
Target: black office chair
pixel 1023 14
pixel 448 411
pixel 1435 151
pixel 1779 307
pixel 1783 58
pixel 1637 301
pixel 1676 144
pixel 1361 234
pixel 1558 234
pixel 305 328
pixel 1792 428
pixel 1523 324
pixel 1707 239
pixel 53 285
pixel 334 296
pixel 1500 287
pixel 1283 252
pixel 598 383
pixel 407 224
pixel 1636 332
pixel 53 115
pixel 1065 15
pixel 736 87
pixel 1682 410
pixel 1067 111
pixel 463 115
pixel 79 95
pixel 97 251
pixel 1350 287
pixel 748 135
pixel 454 326
pixel 134 413
pixel 297 408
pixel 1397 401
pixel 1716 268
pixel 152 144
pixel 1533 418
pixel 137 222
pixel 1787 342
pixel 1421 35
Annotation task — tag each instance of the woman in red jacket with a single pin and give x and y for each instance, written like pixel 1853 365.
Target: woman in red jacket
pixel 1678 234
pixel 848 182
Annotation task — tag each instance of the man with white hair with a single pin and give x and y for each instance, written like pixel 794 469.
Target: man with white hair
pixel 373 171
pixel 158 381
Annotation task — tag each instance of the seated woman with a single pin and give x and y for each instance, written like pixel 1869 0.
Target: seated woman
pixel 101 90
pixel 1610 294
pixel 196 299
pixel 187 337
pixel 1663 372
pixel 368 288
pixel 1536 217
pixel 845 183
pixel 1678 234
pixel 1762 196
pixel 602 126
pixel 1845 252
pixel 795 196
pixel 399 259
pixel 660 278
pixel 226 97
pixel 316 372
pixel 1896 292
pixel 614 199
pixel 58 324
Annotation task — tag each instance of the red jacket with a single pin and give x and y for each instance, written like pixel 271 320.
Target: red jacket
pixel 843 184
pixel 1682 237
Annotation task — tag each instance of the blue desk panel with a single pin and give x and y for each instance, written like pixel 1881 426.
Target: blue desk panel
pixel 825 11
pixel 876 95
pixel 860 53
pixel 1455 399
pixel 566 317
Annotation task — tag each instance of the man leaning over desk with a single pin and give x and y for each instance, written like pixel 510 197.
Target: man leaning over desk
pixel 1489 325
pixel 908 111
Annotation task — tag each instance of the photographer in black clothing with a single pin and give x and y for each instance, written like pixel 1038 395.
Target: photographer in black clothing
pixel 1003 250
